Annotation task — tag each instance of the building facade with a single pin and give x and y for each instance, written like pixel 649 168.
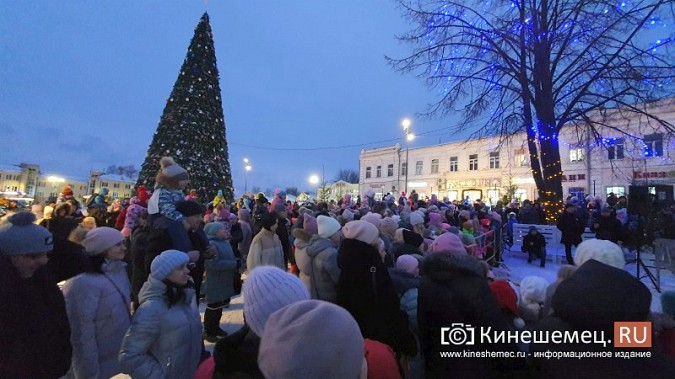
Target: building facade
pixel 627 151
pixel 26 181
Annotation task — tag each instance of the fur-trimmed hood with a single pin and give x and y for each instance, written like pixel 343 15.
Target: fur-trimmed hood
pixel 447 267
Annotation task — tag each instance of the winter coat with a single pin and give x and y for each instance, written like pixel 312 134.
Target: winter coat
pixel 134 213
pixel 245 243
pixel 528 215
pixel 237 353
pixel 220 272
pixel 534 244
pixel 407 289
pixel 571 227
pixel 609 228
pixel 99 315
pixel 453 289
pixel 67 260
pixel 162 342
pixel 60 227
pixel 163 201
pixel 366 291
pixel 284 238
pixel 137 253
pixel 593 298
pixel 34 329
pixel 316 258
pixel 265 250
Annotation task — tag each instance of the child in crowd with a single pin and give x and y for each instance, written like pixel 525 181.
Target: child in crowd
pixel 171 180
pixel 220 272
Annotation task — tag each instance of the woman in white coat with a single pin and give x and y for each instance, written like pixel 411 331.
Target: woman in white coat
pixel 97 302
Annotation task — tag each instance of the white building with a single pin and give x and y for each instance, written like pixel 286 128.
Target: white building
pixel 630 151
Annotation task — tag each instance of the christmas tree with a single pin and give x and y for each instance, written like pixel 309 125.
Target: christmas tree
pixel 192 129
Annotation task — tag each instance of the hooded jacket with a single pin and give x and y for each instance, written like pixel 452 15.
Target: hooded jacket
pixel 266 250
pixel 220 271
pixel 316 258
pixel 162 341
pixel 593 298
pixel 99 315
pixel 453 289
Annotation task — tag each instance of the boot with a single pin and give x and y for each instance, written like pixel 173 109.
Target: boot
pixel 212 331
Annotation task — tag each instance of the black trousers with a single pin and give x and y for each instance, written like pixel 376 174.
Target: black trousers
pixel 212 317
pixel 568 253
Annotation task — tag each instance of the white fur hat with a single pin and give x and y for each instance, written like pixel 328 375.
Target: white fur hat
pixel 603 251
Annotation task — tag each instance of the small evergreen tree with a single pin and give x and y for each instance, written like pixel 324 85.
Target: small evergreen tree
pixel 192 128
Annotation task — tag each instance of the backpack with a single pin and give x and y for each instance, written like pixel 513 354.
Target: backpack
pixel 90 201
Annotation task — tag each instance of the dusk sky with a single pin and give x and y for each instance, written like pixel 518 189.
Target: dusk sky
pixel 83 83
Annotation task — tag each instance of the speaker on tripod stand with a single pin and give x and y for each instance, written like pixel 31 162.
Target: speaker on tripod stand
pixel 645 205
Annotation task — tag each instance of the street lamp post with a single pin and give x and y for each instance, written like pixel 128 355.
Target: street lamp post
pixel 247 168
pixel 409 136
pixel 314 179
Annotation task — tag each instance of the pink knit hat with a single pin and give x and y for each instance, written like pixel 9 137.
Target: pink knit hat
pixel 309 224
pixel 361 230
pixel 407 263
pixel 435 219
pixel 448 243
pixel 372 218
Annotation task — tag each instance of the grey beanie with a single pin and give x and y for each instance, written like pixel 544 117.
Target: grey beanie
pixel 21 236
pixel 165 263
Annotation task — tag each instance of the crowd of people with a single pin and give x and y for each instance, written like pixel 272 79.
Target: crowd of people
pixel 355 288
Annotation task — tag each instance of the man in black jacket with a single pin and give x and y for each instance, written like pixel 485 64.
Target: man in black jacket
pixel 534 244
pixel 572 228
pixel 34 328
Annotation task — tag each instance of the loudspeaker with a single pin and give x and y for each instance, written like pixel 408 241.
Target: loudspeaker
pixel 639 202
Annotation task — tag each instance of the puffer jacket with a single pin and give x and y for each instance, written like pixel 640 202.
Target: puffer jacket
pixel 316 258
pixel 98 311
pixel 454 289
pixel 220 272
pixel 265 250
pixel 162 342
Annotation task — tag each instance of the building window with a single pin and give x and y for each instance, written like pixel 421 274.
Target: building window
pixel 453 163
pixel 104 184
pixel 404 168
pixel 576 154
pixel 116 185
pixel 128 186
pixel 367 172
pixel 473 162
pixel 418 168
pixel 390 170
pixel 434 166
pixel 615 148
pixel 617 190
pixel 522 158
pixel 378 172
pixel 494 159
pixel 653 145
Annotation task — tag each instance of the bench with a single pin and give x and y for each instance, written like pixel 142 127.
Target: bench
pixel 554 249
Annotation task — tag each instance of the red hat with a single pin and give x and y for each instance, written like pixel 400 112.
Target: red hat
pixel 67 191
pixel 142 194
pixel 381 361
pixel 505 295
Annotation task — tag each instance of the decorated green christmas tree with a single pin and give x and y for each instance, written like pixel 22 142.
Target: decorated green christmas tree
pixel 192 129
